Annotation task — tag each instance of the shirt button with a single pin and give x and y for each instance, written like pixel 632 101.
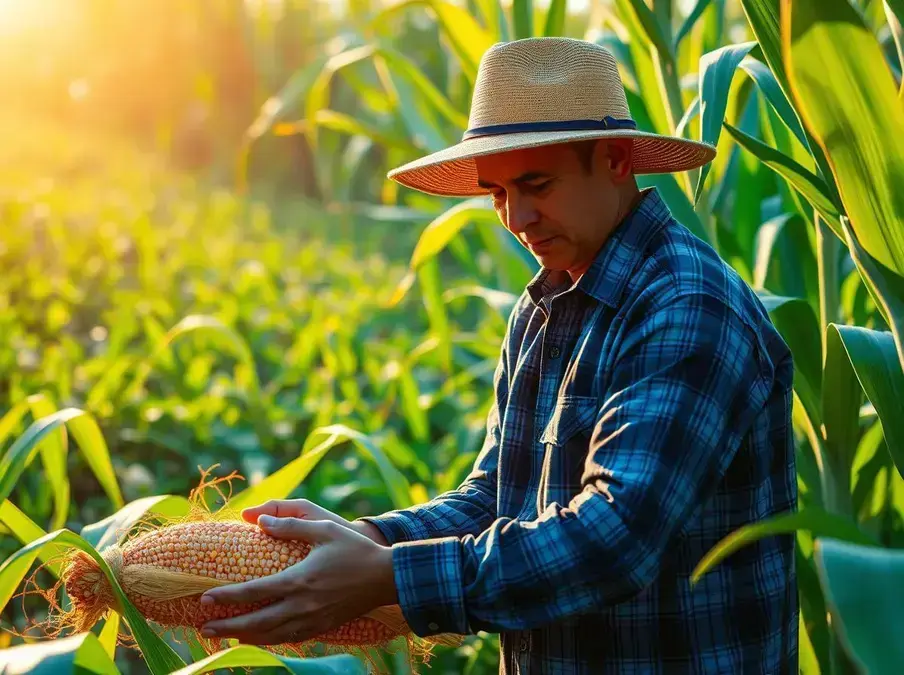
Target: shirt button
pixel 554 352
pixel 432 626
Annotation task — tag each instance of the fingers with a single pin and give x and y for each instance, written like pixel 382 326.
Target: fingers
pixel 280 508
pixel 268 619
pixel 273 586
pixel 311 531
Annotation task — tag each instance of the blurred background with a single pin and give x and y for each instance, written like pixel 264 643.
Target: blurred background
pixel 200 250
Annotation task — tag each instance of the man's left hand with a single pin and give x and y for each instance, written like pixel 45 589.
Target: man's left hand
pixel 344 576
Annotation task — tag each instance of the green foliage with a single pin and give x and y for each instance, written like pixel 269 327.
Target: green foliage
pixel 335 339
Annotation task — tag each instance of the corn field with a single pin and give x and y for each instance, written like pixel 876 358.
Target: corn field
pixel 213 271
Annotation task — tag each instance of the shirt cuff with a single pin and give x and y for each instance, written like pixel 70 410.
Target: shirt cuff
pixel 397 527
pixel 428 578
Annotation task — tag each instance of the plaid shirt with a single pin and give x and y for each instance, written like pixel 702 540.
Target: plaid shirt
pixel 640 415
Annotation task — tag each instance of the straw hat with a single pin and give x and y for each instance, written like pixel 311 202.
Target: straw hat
pixel 540 91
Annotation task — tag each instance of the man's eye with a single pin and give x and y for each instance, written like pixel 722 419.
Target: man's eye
pixel 539 187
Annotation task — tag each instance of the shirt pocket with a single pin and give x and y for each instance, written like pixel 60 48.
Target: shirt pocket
pixel 565 442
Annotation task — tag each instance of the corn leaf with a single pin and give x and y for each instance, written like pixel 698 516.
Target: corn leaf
pixel 864 589
pixel 523 18
pixel 112 529
pixel 248 656
pixel 468 39
pixel 769 87
pixel 396 483
pixel 439 233
pixel 644 69
pixel 26 530
pixel 874 359
pixel 763 17
pixel 717 69
pixel 811 519
pixel 638 13
pixel 555 18
pixel 90 441
pixel 109 634
pixel 54 449
pixel 841 400
pixel 688 25
pixel 11 419
pixel 159 656
pixel 847 97
pixel 886 287
pixel 810 186
pixel 76 654
pixel 795 320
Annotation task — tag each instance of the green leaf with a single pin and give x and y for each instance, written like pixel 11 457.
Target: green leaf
pixel 894 13
pixel 763 17
pixel 811 519
pixel 403 66
pixel 26 530
pixel 112 529
pixel 158 655
pixel 53 450
pixel 501 301
pixel 717 69
pixel 109 634
pixel 864 589
pixel 248 656
pixel 555 18
pixel 293 91
pixel 885 286
pixel 336 121
pixel 214 329
pixel 639 13
pixel 90 441
pixel 468 39
pixel 768 85
pixel 523 18
pixel 399 488
pixel 810 186
pixel 77 654
pixel 847 98
pixel 874 359
pixel 690 22
pixel 645 71
pixel 11 419
pixel 796 321
pixel 439 233
pixel 282 482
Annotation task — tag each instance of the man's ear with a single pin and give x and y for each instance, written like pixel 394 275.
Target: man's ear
pixel 617 155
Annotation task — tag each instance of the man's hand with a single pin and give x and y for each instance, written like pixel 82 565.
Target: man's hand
pixel 345 576
pixel 302 508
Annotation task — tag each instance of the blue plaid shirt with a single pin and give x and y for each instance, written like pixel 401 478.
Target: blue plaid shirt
pixel 640 415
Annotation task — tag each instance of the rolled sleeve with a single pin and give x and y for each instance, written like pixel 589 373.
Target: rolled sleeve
pixel 686 386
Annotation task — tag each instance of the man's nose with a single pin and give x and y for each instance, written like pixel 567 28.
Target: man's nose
pixel 521 214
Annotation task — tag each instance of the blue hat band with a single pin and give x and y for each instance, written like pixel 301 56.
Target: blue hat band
pixel 605 124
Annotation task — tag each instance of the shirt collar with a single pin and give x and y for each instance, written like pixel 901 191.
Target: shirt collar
pixel 605 279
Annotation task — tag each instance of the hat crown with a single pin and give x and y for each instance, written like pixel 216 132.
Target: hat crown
pixel 549 79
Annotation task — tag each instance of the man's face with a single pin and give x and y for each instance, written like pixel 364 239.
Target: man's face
pixel 559 209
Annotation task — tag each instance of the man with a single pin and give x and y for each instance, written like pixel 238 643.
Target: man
pixel 642 412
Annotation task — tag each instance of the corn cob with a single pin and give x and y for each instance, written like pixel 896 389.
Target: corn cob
pixel 164 572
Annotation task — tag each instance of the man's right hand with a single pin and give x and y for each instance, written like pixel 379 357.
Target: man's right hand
pixel 302 508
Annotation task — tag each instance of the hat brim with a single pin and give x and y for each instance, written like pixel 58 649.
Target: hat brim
pixel 452 172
